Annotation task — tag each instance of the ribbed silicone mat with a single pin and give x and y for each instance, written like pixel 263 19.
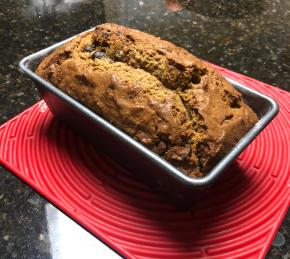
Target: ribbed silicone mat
pixel 238 218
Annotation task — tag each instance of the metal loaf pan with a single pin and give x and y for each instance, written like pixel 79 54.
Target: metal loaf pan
pixel 127 151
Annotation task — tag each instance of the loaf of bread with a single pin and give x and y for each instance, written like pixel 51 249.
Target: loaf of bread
pixel 159 94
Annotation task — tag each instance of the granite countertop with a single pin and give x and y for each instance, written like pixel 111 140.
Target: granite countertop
pixel 250 37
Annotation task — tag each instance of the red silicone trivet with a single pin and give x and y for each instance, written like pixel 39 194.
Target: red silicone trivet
pixel 238 218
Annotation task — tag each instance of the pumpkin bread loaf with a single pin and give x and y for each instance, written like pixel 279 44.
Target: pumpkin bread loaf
pixel 160 94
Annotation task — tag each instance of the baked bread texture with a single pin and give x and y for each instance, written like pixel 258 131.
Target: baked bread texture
pixel 159 94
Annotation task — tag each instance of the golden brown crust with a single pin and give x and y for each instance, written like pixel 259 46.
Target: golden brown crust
pixel 160 94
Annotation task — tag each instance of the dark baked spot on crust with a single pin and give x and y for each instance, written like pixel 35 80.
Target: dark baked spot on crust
pixel 83 79
pixel 202 151
pixel 63 56
pixel 227 118
pixel 160 148
pixel 177 153
pixel 130 38
pixel 234 101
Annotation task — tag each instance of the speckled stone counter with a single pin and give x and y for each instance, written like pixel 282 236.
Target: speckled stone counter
pixel 250 37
